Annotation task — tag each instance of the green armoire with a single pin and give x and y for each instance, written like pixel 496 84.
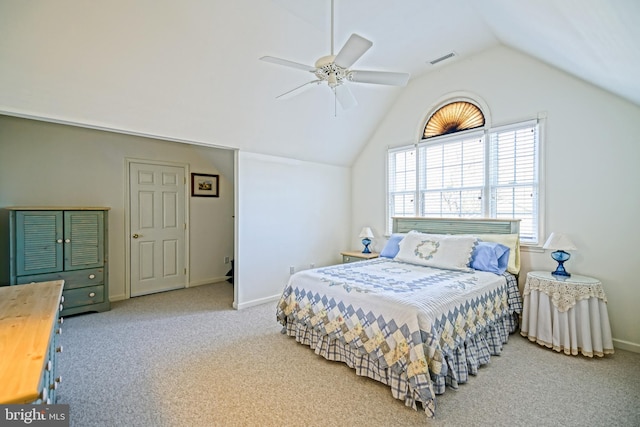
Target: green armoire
pixel 67 244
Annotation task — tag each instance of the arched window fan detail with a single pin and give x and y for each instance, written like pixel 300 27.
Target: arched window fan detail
pixel 453 117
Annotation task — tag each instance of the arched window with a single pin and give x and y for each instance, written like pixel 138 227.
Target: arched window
pixel 453 117
pixel 462 167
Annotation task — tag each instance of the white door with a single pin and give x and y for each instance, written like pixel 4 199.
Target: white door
pixel 158 228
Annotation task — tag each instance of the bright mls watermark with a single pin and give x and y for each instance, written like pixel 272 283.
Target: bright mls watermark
pixel 34 415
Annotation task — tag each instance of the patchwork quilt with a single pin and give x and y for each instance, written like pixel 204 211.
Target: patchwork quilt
pixel 423 328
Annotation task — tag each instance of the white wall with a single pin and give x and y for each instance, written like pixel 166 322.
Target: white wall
pixel 591 151
pixel 48 164
pixel 290 213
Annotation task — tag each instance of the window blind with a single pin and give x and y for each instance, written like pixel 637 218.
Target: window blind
pixel 401 183
pixel 451 176
pixel 514 176
pixel 485 174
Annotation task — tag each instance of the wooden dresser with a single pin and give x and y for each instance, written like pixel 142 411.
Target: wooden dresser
pixel 30 325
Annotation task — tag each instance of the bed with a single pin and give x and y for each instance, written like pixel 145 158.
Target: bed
pixel 421 317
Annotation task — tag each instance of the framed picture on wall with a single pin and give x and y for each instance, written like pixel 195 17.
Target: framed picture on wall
pixel 203 185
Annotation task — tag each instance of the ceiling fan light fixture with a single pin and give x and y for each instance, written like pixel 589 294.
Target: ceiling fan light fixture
pixel 332 80
pixel 336 70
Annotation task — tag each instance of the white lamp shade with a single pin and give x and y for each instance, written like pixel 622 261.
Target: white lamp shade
pixel 559 242
pixel 366 232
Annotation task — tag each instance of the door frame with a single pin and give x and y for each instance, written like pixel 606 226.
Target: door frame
pixel 127 218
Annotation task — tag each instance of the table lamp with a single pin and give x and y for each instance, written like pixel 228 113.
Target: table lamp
pixel 560 243
pixel 366 235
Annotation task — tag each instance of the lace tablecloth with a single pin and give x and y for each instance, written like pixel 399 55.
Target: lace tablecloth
pixel 569 315
pixel 564 293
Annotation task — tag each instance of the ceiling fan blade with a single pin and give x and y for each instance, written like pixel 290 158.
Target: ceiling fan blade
pixel 345 97
pixel 379 77
pixel 287 63
pixel 298 90
pixel 353 49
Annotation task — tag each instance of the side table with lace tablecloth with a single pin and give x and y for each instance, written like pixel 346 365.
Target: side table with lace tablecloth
pixel 566 314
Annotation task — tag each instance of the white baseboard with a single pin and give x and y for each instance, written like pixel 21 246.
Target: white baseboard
pixel 207 281
pixel 255 302
pixel 626 345
pixel 122 297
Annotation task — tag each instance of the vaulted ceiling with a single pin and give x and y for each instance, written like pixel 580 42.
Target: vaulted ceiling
pixel 189 70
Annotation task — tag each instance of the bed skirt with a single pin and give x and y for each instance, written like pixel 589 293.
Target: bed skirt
pixel 463 360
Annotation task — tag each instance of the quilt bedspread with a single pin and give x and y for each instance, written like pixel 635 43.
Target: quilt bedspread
pixel 411 319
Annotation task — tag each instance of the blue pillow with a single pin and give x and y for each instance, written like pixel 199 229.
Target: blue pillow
pixel 491 257
pixel 392 248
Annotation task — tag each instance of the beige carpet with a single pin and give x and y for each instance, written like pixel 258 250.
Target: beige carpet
pixel 186 358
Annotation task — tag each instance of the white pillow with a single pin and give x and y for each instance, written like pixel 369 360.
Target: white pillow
pixel 437 250
pixel 512 241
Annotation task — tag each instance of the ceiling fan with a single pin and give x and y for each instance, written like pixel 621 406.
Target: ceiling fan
pixel 336 70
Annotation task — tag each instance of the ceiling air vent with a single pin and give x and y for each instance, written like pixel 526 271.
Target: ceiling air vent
pixel 442 58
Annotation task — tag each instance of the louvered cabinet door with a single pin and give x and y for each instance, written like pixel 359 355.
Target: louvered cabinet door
pixel 83 239
pixel 39 242
pixel 62 244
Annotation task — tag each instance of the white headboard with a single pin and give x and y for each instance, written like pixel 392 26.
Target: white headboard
pixel 456 225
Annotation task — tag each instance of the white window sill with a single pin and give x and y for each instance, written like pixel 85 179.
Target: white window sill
pixel 531 248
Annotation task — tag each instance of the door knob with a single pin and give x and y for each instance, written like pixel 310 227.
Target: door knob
pixel 135 236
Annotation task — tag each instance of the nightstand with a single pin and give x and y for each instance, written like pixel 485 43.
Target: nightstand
pixel 566 314
pixel 357 256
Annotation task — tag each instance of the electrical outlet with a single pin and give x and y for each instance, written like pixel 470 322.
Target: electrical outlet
pixel 226 260
pixel 312 265
pixel 292 270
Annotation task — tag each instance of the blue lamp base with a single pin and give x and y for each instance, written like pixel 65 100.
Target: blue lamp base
pixel 366 242
pixel 560 256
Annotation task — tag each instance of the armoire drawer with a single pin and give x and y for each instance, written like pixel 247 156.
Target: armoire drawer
pixel 83 296
pixel 72 279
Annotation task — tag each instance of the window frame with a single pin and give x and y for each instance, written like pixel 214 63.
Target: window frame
pixel 488 205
